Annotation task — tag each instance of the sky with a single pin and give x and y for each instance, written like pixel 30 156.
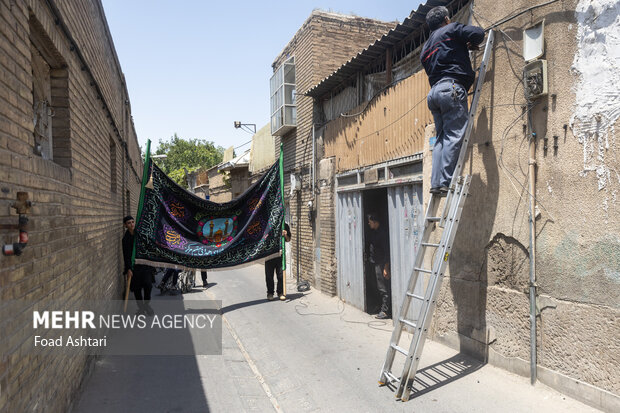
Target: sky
pixel 194 67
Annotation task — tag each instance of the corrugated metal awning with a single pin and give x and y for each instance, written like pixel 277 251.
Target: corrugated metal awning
pixel 240 161
pixel 415 23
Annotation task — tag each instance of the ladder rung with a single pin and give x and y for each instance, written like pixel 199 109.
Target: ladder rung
pixel 447 224
pixel 390 376
pixel 399 349
pixel 419 297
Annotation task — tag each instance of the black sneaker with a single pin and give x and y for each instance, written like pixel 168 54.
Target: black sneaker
pixel 441 191
pixel 149 310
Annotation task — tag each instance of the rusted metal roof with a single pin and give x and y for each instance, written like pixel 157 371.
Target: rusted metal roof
pixel 415 23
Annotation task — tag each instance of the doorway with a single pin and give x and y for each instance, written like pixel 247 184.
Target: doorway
pixel 374 201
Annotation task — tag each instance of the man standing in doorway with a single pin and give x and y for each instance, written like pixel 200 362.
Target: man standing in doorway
pixel 445 58
pixel 140 276
pixel 379 257
pixel 276 264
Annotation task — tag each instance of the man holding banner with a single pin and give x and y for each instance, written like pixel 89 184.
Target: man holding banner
pixel 176 227
pixel 276 264
pixel 139 277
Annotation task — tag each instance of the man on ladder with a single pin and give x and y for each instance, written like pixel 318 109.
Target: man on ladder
pixel 446 61
pixel 445 58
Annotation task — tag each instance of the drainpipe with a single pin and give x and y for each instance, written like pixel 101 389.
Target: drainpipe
pixel 313 160
pixel 22 205
pixel 532 191
pixel 298 233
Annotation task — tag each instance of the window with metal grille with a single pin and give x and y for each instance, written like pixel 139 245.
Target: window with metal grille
pixel 283 99
pixel 50 98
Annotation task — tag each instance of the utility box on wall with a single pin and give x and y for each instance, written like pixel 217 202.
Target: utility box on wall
pixel 295 183
pixel 535 79
pixel 535 71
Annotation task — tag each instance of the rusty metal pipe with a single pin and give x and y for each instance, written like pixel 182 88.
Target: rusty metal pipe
pixel 22 205
pixel 532 214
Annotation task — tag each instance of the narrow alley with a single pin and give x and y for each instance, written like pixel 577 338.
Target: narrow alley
pixel 308 353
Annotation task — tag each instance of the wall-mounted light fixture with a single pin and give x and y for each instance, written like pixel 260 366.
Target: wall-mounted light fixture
pixel 245 126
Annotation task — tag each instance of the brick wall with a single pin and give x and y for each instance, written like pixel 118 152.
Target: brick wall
pixel 323 43
pixel 327 223
pixel 80 196
pixel 219 189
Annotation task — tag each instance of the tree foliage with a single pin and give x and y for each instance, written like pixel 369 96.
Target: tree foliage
pixel 186 154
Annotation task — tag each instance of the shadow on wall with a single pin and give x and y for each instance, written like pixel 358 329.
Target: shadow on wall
pixel 468 275
pixel 481 258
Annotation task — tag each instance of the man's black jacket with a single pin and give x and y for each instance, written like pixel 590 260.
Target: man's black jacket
pixel 445 53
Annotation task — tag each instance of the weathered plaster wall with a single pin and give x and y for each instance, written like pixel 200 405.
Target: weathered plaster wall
pixel 484 300
pixel 596 67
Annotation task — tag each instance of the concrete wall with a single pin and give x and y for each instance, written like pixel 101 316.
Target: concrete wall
pixel 80 195
pixel 239 181
pixel 484 301
pixel 263 151
pixel 322 44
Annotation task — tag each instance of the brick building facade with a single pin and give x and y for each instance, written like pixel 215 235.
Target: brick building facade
pixel 66 139
pixel 322 44
pixel 484 307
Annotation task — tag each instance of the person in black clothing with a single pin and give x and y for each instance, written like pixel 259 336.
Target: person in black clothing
pixel 276 264
pixel 379 257
pixel 170 272
pixel 203 275
pixel 446 61
pixel 140 276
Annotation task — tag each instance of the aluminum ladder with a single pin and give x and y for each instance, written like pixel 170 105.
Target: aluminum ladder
pixel 447 222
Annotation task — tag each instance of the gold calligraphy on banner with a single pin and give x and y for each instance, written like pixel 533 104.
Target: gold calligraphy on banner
pixel 177 209
pixel 254 228
pixel 173 237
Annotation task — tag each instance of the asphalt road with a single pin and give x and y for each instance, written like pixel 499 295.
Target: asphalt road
pixel 308 353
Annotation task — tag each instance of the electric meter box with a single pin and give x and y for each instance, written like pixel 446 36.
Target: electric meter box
pixel 535 79
pixel 295 183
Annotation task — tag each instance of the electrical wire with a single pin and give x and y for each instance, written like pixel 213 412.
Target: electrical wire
pixel 346 115
pixel 493 25
pixel 391 123
pixel 374 324
pixel 243 144
pixel 530 105
pixel 302 304
pixel 506 170
pixel 511 17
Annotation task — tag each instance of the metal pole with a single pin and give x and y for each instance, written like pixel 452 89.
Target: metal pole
pixel 532 191
pixel 298 233
pixel 313 159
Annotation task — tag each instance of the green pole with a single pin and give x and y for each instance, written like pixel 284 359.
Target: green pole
pixel 282 196
pixel 145 176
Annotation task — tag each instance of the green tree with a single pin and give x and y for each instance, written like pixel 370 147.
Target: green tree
pixel 186 154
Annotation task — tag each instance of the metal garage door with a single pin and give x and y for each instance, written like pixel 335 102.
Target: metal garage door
pixel 350 248
pixel 406 217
